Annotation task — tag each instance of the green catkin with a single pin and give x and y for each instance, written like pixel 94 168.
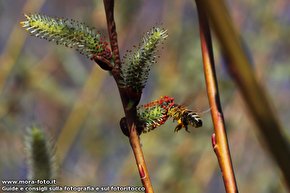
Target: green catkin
pixel 156 113
pixel 151 117
pixel 136 66
pixel 41 159
pixel 69 33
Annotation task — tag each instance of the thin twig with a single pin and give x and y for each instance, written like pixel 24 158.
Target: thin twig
pixel 109 9
pixel 130 99
pixel 219 138
pixel 254 95
pixel 104 63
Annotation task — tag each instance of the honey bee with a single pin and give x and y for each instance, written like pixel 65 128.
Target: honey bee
pixel 156 113
pixel 184 117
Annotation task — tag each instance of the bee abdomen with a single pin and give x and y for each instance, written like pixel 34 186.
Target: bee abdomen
pixel 194 119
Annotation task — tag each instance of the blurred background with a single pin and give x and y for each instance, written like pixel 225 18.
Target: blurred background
pixel 78 105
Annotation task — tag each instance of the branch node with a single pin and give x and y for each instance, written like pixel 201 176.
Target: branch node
pixel 124 127
pixel 214 143
pixel 141 172
pixel 103 63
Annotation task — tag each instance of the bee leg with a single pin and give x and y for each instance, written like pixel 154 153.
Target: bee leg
pixel 185 123
pixel 186 128
pixel 179 126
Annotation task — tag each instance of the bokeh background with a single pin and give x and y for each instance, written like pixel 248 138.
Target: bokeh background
pixel 78 106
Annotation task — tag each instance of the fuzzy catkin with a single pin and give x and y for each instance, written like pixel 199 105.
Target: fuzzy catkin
pixel 69 33
pixel 136 65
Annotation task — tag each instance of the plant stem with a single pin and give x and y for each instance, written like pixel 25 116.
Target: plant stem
pixel 219 138
pixel 111 25
pixel 254 95
pixel 129 98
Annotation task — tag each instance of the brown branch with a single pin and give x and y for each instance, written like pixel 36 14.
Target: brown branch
pixel 254 95
pixel 219 138
pixel 130 99
pixel 103 63
pixel 109 9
